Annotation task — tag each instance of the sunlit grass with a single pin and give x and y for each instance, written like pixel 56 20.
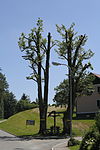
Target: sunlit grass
pixel 81 126
pixel 74 147
pixel 17 124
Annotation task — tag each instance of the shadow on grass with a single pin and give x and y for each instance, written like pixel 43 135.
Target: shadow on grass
pixel 83 118
pixel 9 138
pixel 41 137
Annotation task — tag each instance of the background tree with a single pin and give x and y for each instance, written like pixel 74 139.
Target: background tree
pixel 7 99
pixel 9 104
pixel 61 95
pixel 25 97
pixel 37 52
pixel 85 87
pixel 73 55
pixel 3 88
pixel 24 103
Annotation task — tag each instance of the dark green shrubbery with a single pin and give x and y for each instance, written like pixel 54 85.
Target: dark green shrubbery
pixel 91 140
pixel 73 142
pixel 25 104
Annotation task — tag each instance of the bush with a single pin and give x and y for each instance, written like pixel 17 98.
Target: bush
pixel 97 121
pixel 73 142
pixel 91 140
pixel 96 144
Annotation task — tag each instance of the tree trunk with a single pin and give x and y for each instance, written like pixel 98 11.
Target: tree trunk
pixel 44 102
pixel 46 79
pixel 39 83
pixel 40 105
pixel 42 121
pixel 42 110
pixel 67 119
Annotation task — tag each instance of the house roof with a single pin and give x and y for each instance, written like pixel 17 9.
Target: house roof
pixel 97 75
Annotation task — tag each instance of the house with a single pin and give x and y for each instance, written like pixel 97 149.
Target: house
pixel 88 106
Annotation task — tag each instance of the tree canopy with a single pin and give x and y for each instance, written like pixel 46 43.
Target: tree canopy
pixel 3 88
pixel 24 103
pixel 7 99
pixel 85 87
pixel 10 103
pixel 62 92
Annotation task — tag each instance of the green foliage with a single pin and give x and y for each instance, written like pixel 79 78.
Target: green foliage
pixel 35 48
pixel 3 89
pixel 61 96
pixel 70 39
pixel 9 104
pixel 3 83
pixel 73 142
pixel 78 58
pixel 97 122
pixel 24 104
pixel 85 87
pixel 91 140
pixel 72 55
pixel 7 99
pixel 37 52
pixel 96 144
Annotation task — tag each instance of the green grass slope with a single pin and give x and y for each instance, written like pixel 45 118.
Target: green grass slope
pixel 17 123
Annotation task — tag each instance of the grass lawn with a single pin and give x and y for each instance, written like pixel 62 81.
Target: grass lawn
pixel 17 123
pixel 81 126
pixel 74 147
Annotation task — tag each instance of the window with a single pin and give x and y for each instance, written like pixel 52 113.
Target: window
pixel 98 89
pixel 98 103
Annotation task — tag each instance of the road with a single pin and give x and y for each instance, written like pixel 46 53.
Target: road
pixel 10 142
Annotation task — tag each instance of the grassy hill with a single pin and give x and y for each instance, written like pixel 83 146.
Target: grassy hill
pixel 17 123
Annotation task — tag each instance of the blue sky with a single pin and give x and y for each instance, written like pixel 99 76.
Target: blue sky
pixel 17 16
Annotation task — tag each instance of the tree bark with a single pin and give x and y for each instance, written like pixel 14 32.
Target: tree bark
pixel 67 119
pixel 46 77
pixel 39 84
pixel 40 98
pixel 44 102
